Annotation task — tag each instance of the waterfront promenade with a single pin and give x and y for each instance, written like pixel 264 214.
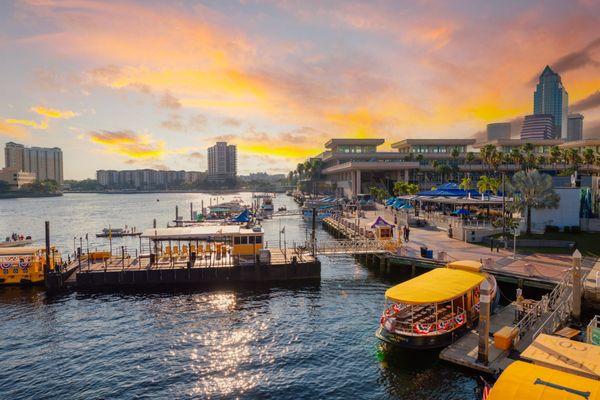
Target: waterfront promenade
pixel 534 266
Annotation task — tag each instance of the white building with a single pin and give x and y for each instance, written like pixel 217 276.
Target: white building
pixel 15 178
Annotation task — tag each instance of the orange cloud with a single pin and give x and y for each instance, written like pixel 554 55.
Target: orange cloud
pixel 53 112
pixel 129 144
pixel 26 122
pixel 11 131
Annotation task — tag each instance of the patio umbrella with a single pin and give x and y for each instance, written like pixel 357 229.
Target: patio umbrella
pixel 406 207
pixel 462 211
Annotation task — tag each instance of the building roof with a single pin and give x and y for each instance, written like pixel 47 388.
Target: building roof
pixel 520 142
pixel 521 380
pixel 432 142
pixel 435 286
pixel 199 232
pixel 331 143
pixel 582 143
pixel 371 166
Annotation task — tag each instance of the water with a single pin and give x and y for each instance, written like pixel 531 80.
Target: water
pixel 301 341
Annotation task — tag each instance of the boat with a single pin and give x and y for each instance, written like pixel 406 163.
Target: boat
pixel 16 243
pixel 434 309
pixel 525 381
pixel 118 232
pixel 267 204
pixel 25 265
pixel 282 208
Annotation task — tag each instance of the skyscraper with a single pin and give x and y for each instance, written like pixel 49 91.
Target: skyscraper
pixel 550 97
pixel 540 126
pixel 575 127
pixel 222 161
pixel 45 163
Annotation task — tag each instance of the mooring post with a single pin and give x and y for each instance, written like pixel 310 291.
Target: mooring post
pixel 576 313
pixel 484 323
pixel 154 223
pixel 47 232
pixel 176 213
pixel 313 235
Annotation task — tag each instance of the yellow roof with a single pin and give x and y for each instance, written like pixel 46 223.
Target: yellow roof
pixel 565 354
pixel 441 284
pixel 524 381
pixel 467 265
pixel 16 251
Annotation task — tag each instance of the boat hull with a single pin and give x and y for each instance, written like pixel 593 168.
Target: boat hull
pixel 423 342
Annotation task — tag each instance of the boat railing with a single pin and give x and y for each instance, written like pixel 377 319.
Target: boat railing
pixel 422 326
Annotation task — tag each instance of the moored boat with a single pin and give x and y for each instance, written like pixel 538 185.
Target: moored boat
pixel 25 265
pixel 118 232
pixel 433 309
pixel 16 243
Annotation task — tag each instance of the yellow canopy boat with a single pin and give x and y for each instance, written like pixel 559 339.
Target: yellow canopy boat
pixel 524 381
pixel 432 309
pixel 25 265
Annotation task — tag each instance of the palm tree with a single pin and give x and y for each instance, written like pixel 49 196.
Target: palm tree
pixel 487 183
pixel 486 153
pixel 533 190
pixel 589 156
pixel 443 170
pixel 516 156
pixel 573 158
pixel 300 169
pixel 555 156
pixel 466 184
pixel 469 160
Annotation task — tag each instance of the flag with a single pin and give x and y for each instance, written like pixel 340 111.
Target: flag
pixel 485 392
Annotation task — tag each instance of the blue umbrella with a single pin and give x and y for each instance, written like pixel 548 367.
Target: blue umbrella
pixel 462 211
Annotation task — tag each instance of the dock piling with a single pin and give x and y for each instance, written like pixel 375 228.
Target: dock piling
pixel 47 234
pixel 576 270
pixel 484 323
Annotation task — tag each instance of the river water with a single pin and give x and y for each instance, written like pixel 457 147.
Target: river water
pixel 293 342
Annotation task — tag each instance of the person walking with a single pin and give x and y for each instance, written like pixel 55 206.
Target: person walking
pixel 407 233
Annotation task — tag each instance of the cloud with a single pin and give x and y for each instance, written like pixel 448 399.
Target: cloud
pixel 129 144
pixel 26 122
pixel 196 155
pixel 174 123
pixel 53 112
pixel 231 122
pixel 169 101
pixel 11 131
pixel 197 122
pixel 592 101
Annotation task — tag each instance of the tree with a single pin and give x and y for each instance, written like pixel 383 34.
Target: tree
pixel 487 153
pixel 378 194
pixel 516 156
pixel 402 188
pixel 469 160
pixel 533 190
pixel 300 170
pixel 487 183
pixel 466 184
pixel 443 170
pixel 573 158
pixel 589 156
pixel 555 156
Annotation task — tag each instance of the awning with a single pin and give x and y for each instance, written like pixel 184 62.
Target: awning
pixel 381 222
pixel 435 286
pixel 524 381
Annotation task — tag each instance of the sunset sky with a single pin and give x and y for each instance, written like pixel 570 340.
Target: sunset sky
pixel 126 85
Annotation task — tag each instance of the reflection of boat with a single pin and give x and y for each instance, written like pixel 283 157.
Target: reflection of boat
pixel 118 232
pixel 25 265
pixel 435 308
pixel 16 243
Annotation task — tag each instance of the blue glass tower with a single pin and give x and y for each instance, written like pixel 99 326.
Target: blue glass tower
pixel 550 97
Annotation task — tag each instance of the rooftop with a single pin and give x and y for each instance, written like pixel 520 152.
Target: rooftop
pixel 520 142
pixel 200 232
pixel 433 142
pixel 332 143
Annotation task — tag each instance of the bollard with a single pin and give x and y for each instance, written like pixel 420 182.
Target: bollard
pixel 576 313
pixel 484 323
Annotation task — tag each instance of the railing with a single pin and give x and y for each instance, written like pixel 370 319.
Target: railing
pixel 348 246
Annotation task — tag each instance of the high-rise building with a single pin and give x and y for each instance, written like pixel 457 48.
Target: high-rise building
pixel 550 97
pixel 538 126
pixel 222 161
pixel 575 127
pixel 499 130
pixel 45 163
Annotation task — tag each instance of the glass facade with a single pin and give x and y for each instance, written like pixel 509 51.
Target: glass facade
pixel 550 97
pixel 432 149
pixel 355 149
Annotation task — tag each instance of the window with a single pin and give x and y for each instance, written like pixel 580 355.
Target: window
pixel 250 239
pixel 236 240
pixel 244 240
pixel 258 239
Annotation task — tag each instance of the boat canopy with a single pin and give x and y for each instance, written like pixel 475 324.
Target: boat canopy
pixel 524 381
pixel 435 286
pixel 201 232
pixel 244 216
pixel 18 251
pixel 467 265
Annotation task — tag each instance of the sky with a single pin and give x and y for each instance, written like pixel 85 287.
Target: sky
pixel 152 84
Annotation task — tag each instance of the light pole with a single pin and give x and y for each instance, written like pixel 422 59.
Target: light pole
pixel 515 234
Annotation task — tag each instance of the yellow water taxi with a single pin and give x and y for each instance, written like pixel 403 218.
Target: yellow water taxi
pixel 433 309
pixel 524 381
pixel 25 265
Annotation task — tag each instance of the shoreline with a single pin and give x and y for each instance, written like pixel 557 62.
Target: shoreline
pixel 11 195
pixel 220 191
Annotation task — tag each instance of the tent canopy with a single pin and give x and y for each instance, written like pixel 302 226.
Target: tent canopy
pixel 244 216
pixel 449 190
pixel 381 222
